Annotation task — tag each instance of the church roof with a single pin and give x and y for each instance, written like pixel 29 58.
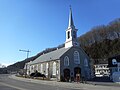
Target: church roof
pixel 53 55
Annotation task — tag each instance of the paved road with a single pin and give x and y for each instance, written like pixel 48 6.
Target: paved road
pixel 15 83
pixel 7 83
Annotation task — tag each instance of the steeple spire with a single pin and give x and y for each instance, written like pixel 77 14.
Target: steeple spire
pixel 71 23
pixel 71 33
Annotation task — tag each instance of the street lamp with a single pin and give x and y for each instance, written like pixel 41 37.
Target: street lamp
pixel 27 51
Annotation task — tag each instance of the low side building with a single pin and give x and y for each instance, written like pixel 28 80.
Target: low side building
pixel 114 65
pixel 101 70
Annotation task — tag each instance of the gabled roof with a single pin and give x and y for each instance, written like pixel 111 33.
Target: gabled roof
pixel 53 55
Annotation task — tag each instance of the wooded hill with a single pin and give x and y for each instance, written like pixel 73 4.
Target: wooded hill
pixel 103 50
pixel 100 33
pixel 100 42
pixel 20 65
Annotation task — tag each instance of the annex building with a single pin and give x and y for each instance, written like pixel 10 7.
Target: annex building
pixel 64 63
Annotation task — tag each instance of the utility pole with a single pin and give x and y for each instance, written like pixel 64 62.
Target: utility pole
pixel 27 51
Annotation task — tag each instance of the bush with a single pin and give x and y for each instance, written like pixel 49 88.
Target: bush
pixel 37 74
pixel 32 74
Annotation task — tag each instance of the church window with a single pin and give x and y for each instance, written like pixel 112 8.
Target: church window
pixel 86 62
pixel 32 67
pixel 76 57
pixel 66 61
pixel 46 68
pixel 37 67
pixel 54 68
pixel 41 68
pixel 68 34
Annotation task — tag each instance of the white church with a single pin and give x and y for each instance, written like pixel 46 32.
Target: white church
pixel 66 62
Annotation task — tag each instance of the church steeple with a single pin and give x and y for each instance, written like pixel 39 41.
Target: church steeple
pixel 71 23
pixel 71 33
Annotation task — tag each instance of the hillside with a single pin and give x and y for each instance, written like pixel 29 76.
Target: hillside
pixel 2 66
pixel 100 42
pixel 101 32
pixel 104 49
pixel 20 65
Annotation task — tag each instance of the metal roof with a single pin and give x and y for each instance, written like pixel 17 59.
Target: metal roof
pixel 53 55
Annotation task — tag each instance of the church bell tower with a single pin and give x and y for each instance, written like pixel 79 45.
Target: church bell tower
pixel 71 33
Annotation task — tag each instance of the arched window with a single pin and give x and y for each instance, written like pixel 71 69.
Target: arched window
pixel 68 34
pixel 37 67
pixel 54 68
pixel 41 68
pixel 31 68
pixel 114 62
pixel 66 61
pixel 86 62
pixel 46 68
pixel 76 57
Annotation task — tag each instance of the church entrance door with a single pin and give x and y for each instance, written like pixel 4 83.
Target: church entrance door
pixel 77 73
pixel 66 74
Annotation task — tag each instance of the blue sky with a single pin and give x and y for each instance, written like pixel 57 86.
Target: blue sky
pixel 40 24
